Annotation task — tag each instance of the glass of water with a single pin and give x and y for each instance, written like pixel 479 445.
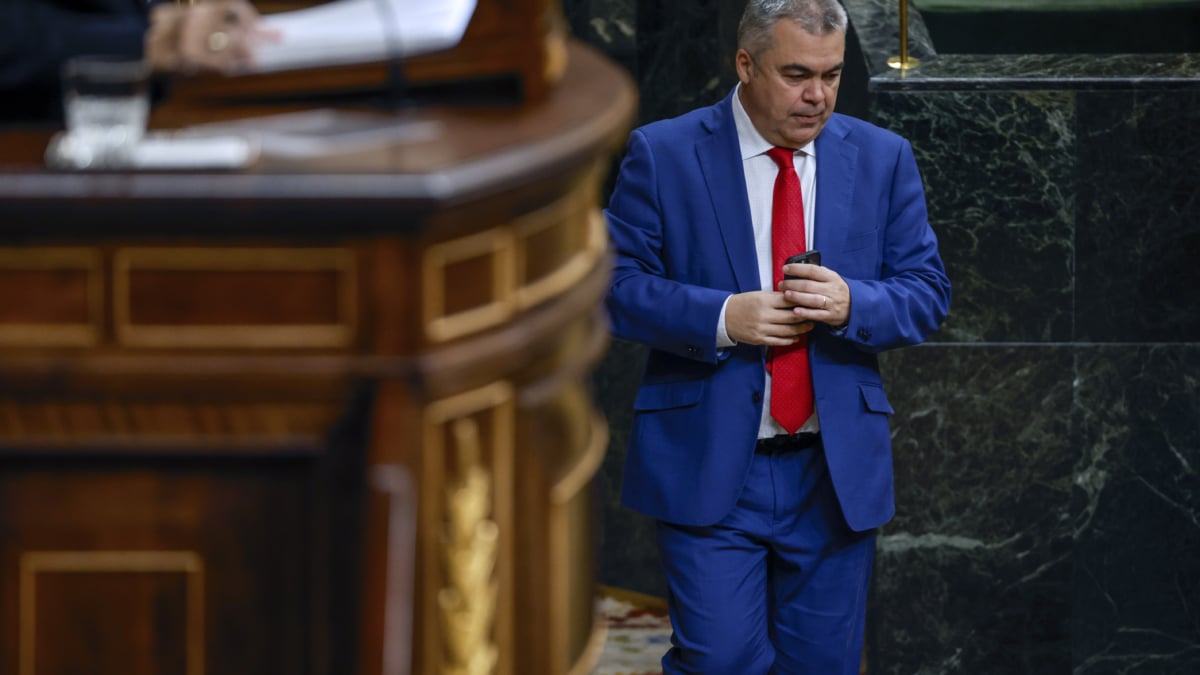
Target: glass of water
pixel 106 102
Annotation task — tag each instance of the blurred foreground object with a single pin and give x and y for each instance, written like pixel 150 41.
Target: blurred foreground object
pixel 491 50
pixel 215 35
pixel 360 31
pixel 217 384
pixel 106 102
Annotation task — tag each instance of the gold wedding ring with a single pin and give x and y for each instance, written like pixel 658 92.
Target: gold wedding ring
pixel 218 41
pixel 824 301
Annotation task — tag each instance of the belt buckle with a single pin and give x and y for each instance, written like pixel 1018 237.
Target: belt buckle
pixel 784 442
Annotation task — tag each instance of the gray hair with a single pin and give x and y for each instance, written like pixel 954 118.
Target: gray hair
pixel 815 17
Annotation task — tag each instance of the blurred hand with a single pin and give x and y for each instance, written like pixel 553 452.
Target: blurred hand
pixel 215 35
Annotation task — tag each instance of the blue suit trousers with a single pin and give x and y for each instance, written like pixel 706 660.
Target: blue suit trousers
pixel 777 586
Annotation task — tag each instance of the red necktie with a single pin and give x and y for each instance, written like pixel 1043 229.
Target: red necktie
pixel 791 381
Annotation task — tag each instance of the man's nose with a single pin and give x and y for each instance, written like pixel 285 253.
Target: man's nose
pixel 813 91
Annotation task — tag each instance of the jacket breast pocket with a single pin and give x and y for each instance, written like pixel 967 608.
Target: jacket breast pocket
pixel 857 241
pixel 667 395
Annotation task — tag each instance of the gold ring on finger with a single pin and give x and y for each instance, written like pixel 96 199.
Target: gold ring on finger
pixel 218 41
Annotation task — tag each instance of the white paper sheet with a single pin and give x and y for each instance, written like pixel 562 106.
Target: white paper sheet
pixel 360 31
pixel 321 132
pixel 157 151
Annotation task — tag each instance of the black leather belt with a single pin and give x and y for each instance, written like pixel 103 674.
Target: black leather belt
pixel 787 443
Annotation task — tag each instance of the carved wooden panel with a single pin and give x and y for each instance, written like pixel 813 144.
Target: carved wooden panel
pixel 234 297
pixel 555 492
pixel 140 565
pixel 479 281
pixel 149 423
pixel 53 297
pixel 468 284
pixel 126 611
pixel 468 525
pixel 228 365
pixel 556 245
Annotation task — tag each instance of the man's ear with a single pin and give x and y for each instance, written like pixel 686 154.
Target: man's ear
pixel 744 64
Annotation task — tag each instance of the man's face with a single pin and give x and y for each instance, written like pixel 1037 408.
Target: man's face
pixel 790 89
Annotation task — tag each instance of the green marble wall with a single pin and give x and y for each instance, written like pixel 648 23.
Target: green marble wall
pixel 1048 440
pixel 1062 26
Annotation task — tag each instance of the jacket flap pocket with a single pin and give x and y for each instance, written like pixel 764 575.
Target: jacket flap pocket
pixel 663 395
pixel 875 399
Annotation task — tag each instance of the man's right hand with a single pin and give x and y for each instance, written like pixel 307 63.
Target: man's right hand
pixel 763 318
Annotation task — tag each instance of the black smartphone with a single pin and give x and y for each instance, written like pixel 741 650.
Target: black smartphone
pixel 812 257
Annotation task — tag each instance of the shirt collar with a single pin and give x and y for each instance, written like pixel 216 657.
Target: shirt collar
pixel 752 142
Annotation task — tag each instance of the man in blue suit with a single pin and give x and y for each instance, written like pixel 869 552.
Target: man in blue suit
pixel 766 530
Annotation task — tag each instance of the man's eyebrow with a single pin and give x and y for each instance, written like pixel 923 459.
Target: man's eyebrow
pixel 801 68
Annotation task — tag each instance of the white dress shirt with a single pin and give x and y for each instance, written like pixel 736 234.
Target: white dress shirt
pixel 760 171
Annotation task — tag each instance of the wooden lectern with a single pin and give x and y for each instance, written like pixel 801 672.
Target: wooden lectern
pixel 320 415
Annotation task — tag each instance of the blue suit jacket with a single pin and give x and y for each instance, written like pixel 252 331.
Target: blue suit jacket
pixel 680 224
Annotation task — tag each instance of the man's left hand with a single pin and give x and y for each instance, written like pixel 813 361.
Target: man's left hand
pixel 817 294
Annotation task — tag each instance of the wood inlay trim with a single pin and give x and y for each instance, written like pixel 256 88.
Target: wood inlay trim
pixel 574 211
pixel 33 563
pixel 580 475
pixel 440 325
pixel 76 259
pixel 339 334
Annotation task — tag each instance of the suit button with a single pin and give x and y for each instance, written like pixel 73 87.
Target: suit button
pixel 693 351
pixel 864 334
pixel 756 397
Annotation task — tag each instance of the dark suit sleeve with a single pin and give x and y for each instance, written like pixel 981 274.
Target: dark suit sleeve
pixel 36 36
pixel 646 302
pixel 911 297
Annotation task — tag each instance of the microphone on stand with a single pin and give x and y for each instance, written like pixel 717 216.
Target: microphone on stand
pixel 397 82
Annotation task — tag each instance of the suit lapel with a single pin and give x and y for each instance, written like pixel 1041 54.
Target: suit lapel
pixel 721 163
pixel 836 161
